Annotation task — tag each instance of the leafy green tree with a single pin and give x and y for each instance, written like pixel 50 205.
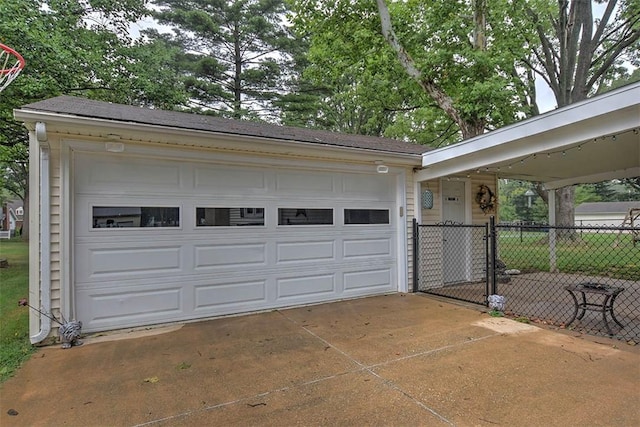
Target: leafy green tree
pixel 346 44
pixel 235 54
pixel 576 53
pixel 514 203
pixel 508 190
pixel 609 191
pixel 76 47
pixel 570 49
pixel 350 81
pixel 462 56
pixel 634 186
pixel 14 175
pixel 587 194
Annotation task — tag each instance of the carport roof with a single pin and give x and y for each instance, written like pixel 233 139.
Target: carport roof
pixel 86 108
pixel 590 141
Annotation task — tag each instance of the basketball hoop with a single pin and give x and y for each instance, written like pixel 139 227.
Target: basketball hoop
pixel 9 69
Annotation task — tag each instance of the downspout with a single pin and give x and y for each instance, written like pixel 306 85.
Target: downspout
pixel 45 235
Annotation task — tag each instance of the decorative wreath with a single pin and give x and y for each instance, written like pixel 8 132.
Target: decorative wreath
pixel 486 199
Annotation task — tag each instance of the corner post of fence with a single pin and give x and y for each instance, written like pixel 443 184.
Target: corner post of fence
pixel 487 263
pixel 415 255
pixel 493 255
pixel 553 266
pixel 553 258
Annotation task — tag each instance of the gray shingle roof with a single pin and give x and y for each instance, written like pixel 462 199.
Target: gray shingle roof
pixel 606 207
pixel 81 107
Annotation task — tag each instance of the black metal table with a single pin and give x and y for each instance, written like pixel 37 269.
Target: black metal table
pixel 606 306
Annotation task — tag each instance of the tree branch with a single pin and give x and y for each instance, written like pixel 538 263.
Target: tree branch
pixel 612 57
pixel 604 21
pixel 549 63
pixel 585 53
pixel 428 85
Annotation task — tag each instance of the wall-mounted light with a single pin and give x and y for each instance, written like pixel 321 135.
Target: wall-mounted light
pixel 381 167
pixel 114 147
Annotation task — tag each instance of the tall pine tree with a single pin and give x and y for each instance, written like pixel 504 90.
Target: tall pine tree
pixel 236 53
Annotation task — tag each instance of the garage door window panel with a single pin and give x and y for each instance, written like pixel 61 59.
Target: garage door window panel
pixel 229 217
pixel 366 216
pixel 135 216
pixel 305 216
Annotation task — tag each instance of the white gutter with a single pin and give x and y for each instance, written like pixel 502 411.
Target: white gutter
pixel 45 235
pixel 140 132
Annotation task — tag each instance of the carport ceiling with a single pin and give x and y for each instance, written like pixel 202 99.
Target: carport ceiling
pixel 591 141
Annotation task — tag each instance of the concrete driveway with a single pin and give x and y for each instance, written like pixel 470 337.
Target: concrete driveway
pixel 397 360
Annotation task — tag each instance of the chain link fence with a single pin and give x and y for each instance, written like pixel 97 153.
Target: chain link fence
pixel 452 261
pixel 582 278
pixel 585 279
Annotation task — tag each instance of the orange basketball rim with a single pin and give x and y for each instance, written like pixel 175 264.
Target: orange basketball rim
pixel 11 64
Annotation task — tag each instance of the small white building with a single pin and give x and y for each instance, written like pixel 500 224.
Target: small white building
pixel 604 214
pixel 142 217
pixel 11 219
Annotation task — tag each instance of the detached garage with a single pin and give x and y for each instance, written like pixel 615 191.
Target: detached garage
pixel 157 216
pixel 162 240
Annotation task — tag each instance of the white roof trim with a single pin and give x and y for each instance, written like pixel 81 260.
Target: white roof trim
pixel 605 176
pixel 142 132
pixel 607 114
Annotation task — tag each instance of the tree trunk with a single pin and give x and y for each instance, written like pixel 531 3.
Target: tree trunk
pixel 237 78
pixel 565 212
pixel 575 30
pixel 468 128
pixel 568 71
pixel 480 27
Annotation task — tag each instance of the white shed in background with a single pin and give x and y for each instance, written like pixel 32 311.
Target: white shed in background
pixel 604 214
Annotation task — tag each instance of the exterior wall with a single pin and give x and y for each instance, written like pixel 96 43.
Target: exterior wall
pixel 434 215
pixel 61 191
pixel 599 220
pixel 490 181
pixel 430 263
pixel 410 206
pixel 55 226
pixel 431 266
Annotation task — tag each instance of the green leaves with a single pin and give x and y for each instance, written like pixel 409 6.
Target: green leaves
pixel 237 55
pixel 78 47
pixel 349 55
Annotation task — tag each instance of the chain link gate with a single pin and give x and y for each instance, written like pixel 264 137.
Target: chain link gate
pixel 451 260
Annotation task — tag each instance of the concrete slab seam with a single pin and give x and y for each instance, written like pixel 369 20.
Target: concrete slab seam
pixel 208 408
pixel 247 399
pixel 435 350
pixel 361 368
pixel 369 369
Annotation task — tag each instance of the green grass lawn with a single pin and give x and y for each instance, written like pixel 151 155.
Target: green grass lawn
pixel 15 347
pixel 599 254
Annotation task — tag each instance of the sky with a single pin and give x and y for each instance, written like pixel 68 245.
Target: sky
pixel 545 98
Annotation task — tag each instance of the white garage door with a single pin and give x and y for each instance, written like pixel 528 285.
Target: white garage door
pixel 161 240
